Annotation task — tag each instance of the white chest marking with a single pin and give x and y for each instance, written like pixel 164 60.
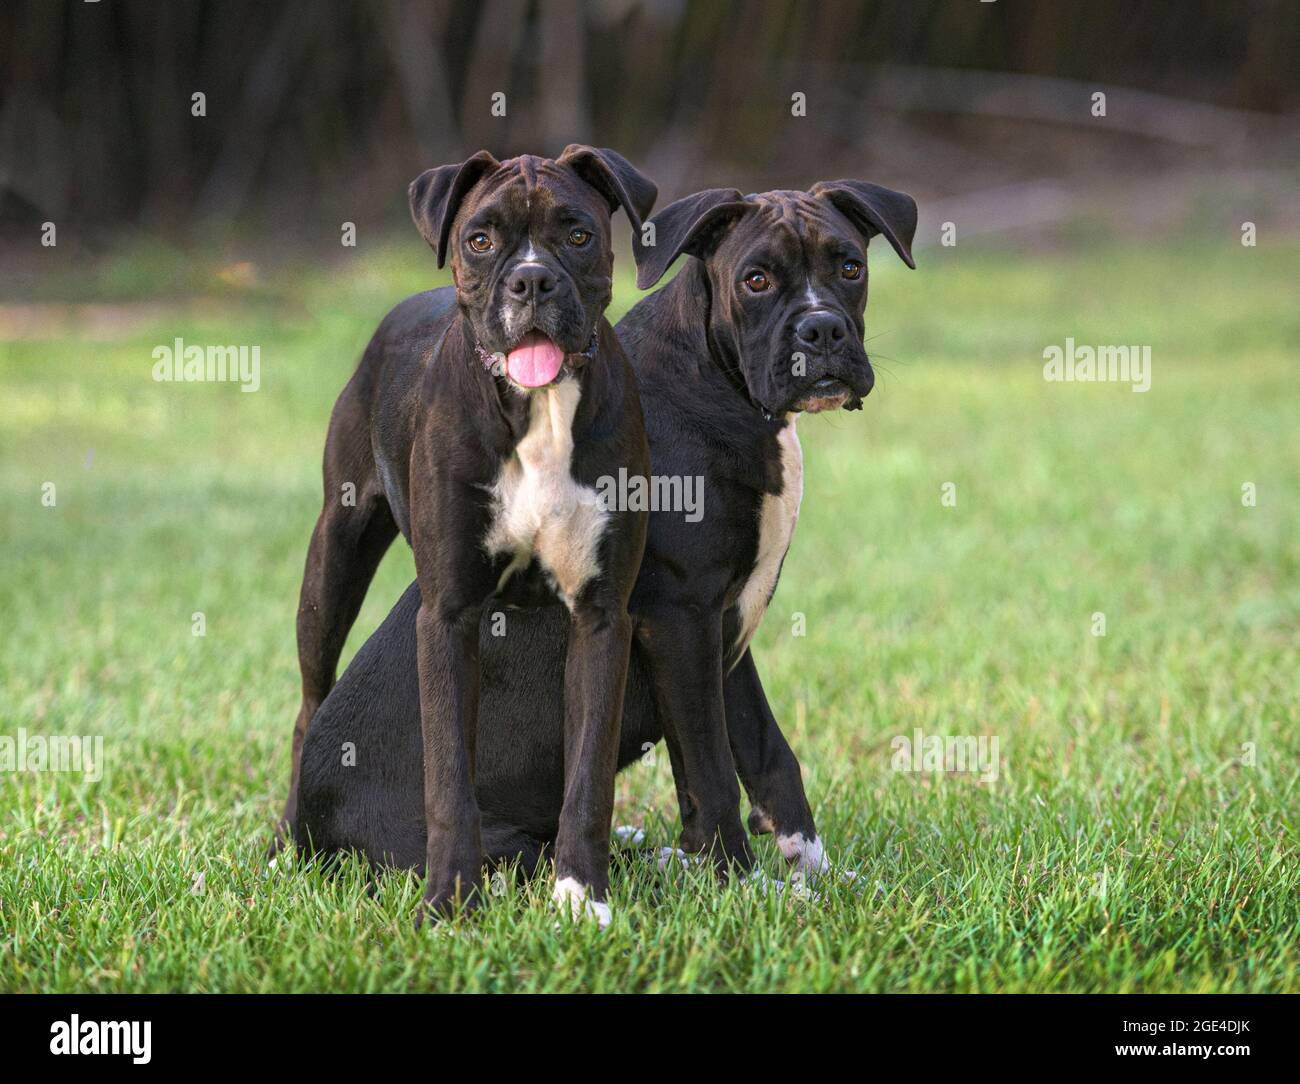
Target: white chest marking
pixel 538 509
pixel 776 520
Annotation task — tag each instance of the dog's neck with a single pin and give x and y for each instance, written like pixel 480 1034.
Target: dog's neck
pixel 511 406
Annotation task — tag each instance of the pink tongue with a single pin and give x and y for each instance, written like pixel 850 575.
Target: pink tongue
pixel 535 361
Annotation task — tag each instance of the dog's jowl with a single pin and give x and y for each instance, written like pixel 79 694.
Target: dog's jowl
pixel 765 320
pixel 477 425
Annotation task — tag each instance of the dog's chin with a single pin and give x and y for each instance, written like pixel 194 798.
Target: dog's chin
pixel 828 393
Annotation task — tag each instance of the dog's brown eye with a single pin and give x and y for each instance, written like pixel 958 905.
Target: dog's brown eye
pixel 480 242
pixel 758 282
pixel 578 238
pixel 851 269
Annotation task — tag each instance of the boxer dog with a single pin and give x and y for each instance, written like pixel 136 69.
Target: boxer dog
pixel 765 320
pixel 476 425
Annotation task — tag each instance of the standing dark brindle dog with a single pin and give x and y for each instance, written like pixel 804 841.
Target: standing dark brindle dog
pixel 477 423
pixel 764 321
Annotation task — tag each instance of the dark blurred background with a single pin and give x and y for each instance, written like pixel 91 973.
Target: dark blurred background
pixel 320 111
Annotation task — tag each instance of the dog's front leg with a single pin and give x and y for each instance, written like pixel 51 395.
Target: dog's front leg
pixel 684 649
pixel 600 637
pixel 447 657
pixel 770 771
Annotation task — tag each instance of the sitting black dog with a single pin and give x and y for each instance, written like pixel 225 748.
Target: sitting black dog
pixel 765 320
pixel 477 423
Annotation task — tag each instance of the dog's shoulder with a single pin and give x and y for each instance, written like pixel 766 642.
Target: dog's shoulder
pixel 417 321
pixel 406 339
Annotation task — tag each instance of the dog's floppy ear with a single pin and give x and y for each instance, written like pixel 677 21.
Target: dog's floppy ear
pixel 436 195
pixel 873 209
pixel 692 225
pixel 615 178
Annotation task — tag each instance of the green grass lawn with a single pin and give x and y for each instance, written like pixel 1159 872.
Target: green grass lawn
pixel 1141 834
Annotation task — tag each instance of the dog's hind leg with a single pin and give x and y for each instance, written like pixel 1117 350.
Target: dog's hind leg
pixel 770 771
pixel 355 529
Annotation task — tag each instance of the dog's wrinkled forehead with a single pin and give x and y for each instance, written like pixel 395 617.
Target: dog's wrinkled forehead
pixel 529 189
pixel 787 228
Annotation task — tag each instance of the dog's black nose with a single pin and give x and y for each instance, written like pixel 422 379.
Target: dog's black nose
pixel 820 330
pixel 530 282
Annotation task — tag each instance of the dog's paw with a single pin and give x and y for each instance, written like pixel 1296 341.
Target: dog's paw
pixel 629 836
pixel 797 887
pixel 280 862
pixel 571 895
pixel 448 898
pixel 281 841
pixel 806 856
pixel 760 882
pixel 669 857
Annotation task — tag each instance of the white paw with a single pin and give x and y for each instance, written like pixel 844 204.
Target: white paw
pixel 668 856
pixel 760 881
pixel 571 894
pixel 796 886
pixel 808 856
pixel 851 878
pixel 629 835
pixel 803 889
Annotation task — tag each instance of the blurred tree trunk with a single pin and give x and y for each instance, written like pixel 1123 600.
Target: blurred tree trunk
pixel 246 141
pixel 491 67
pixel 413 32
pixel 562 78
pixel 332 103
